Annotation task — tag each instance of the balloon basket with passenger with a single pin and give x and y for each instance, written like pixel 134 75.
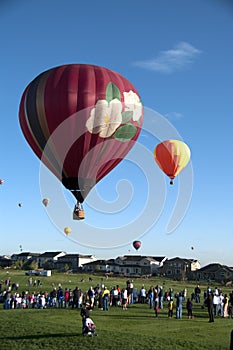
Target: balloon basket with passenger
pixel 78 213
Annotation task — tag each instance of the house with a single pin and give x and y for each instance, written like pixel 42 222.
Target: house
pixel 25 256
pixel 179 268
pixel 73 261
pixel 5 261
pixel 139 264
pixel 127 265
pixel 99 266
pixel 214 272
pixel 49 258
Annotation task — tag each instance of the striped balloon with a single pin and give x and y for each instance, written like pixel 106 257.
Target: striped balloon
pixel 172 156
pixel 92 114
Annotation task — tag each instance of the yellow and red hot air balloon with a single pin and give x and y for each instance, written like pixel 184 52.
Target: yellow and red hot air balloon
pixel 81 120
pixel 172 156
pixel 67 230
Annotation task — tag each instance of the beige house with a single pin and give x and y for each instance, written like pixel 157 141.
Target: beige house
pixel 214 272
pixel 49 257
pixel 127 265
pixel 73 262
pixel 179 268
pixel 25 256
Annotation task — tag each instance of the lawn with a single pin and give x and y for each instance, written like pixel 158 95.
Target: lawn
pixel 135 328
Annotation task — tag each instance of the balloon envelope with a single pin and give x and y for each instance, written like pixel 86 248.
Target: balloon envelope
pixel 81 120
pixel 1 181
pixel 137 245
pixel 67 230
pixel 172 156
pixel 46 201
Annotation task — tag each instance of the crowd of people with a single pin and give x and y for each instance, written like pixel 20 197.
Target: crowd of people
pixel 217 303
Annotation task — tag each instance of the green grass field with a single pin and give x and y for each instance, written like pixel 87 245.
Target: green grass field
pixel 135 328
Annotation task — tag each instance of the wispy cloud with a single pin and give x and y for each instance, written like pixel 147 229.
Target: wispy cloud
pixel 178 58
pixel 173 115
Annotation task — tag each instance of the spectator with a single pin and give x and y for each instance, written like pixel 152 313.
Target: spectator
pixel 179 306
pixel 189 307
pixel 170 308
pixel 210 306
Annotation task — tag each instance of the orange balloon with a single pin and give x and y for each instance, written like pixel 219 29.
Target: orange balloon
pixel 67 230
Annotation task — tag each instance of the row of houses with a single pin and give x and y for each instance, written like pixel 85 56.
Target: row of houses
pixel 127 265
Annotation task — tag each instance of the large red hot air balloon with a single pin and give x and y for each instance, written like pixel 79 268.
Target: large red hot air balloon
pixel 137 245
pixel 81 120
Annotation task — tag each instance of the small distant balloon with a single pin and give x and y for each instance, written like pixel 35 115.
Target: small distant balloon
pixel 20 248
pixel 67 230
pixel 192 248
pixel 46 201
pixel 137 245
pixel 20 204
pixel 1 182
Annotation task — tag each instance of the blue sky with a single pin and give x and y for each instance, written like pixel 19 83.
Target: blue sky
pixel 179 56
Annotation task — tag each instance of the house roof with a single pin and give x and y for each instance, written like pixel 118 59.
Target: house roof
pixel 50 254
pixel 214 267
pixel 23 254
pixel 182 259
pixel 100 262
pixel 140 257
pixel 68 256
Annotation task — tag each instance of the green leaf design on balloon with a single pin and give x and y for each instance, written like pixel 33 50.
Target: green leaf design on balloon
pixel 126 116
pixel 125 133
pixel 112 92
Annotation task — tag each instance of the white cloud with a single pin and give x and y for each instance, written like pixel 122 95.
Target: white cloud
pixel 173 115
pixel 172 60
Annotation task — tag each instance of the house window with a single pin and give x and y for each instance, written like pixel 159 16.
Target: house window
pixel 169 272
pixel 178 272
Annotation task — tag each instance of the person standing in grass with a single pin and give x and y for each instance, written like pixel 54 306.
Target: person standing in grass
pixel 105 296
pixel 170 308
pixel 179 306
pixel 142 295
pixel 156 307
pixel 225 306
pixel 210 306
pixel 189 307
pixel 124 298
pixel 84 313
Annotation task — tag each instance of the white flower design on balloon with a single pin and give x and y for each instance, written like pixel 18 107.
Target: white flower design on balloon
pixel 105 118
pixel 133 103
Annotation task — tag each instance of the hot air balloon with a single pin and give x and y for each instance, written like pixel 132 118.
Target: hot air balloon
pixel 81 120
pixel 46 201
pixel 172 156
pixel 67 230
pixel 192 248
pixel 20 204
pixel 1 182
pixel 21 247
pixel 137 245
